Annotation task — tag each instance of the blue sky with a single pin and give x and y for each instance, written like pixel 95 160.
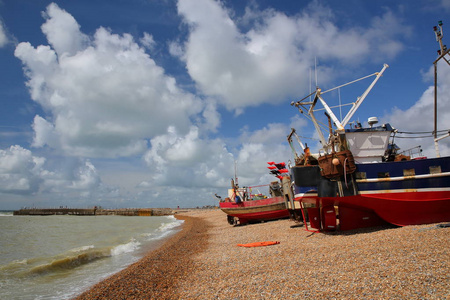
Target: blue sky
pixel 149 103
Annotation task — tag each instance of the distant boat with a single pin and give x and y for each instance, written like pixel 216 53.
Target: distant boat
pixel 243 206
pixel 360 179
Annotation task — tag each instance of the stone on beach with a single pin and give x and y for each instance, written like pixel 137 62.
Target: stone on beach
pixel 204 262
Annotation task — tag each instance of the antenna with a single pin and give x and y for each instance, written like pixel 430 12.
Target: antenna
pixel 310 79
pixel 340 105
pixel 315 70
pixel 438 31
pixel 235 174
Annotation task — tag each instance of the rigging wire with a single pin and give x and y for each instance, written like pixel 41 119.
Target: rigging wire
pixel 414 137
pixel 340 105
pixel 309 138
pixel 323 126
pixel 423 132
pixel 430 134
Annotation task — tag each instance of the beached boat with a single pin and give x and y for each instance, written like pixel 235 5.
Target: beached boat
pixel 360 179
pixel 244 206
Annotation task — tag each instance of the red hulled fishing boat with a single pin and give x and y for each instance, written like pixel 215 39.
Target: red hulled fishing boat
pixel 360 179
pixel 247 204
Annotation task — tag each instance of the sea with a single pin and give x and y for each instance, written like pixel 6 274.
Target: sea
pixel 59 257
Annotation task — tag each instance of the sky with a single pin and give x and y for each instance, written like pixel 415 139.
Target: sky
pixel 145 103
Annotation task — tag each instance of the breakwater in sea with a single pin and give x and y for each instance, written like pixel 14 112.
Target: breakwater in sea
pixel 94 212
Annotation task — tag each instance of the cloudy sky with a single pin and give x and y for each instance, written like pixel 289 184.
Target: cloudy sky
pixel 146 103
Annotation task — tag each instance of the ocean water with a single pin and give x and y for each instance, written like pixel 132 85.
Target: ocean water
pixel 58 257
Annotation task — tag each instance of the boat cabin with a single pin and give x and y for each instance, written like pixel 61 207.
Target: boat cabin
pixel 369 145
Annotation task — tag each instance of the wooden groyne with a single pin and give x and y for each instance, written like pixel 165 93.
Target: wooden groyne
pixel 94 212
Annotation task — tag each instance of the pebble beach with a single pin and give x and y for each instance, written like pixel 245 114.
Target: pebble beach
pixel 203 261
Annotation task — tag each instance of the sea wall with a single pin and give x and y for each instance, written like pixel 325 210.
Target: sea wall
pixel 94 211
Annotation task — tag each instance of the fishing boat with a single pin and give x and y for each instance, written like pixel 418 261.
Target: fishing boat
pixel 248 205
pixel 360 179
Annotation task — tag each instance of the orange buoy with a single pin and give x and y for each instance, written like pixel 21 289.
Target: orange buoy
pixel 259 244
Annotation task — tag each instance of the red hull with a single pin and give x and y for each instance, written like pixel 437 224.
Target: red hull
pixel 256 210
pixel 409 208
pixel 402 209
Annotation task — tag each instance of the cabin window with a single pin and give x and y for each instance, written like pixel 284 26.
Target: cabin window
pixel 361 175
pixel 409 172
pixel 383 175
pixel 435 170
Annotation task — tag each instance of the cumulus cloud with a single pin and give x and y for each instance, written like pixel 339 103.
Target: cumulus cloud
pixel 103 95
pixel 420 116
pixel 188 160
pixel 19 171
pixel 3 37
pixel 271 60
pixel 148 41
pixel 23 173
pixel 62 31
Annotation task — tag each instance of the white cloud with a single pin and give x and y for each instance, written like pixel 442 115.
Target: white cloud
pixel 420 116
pixel 211 116
pixel 103 98
pixel 148 41
pixel 382 36
pixel 19 171
pixel 3 37
pixel 185 161
pixel 176 49
pixel 62 31
pixel 86 177
pixel 188 160
pixel 23 173
pixel 273 133
pixel 271 61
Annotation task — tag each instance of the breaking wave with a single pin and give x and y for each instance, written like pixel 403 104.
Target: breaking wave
pixel 165 229
pixel 70 262
pixel 125 248
pixel 83 255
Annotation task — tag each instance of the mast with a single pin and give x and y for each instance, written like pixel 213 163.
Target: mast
pixel 235 175
pixel 442 52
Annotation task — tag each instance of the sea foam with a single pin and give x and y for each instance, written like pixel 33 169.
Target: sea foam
pixel 125 248
pixel 165 229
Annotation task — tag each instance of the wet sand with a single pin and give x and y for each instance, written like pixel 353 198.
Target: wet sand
pixel 203 261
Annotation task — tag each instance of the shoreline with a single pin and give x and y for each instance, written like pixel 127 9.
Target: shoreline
pixel 154 276
pixel 203 261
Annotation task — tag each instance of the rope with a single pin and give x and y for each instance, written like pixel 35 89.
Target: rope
pixel 345 173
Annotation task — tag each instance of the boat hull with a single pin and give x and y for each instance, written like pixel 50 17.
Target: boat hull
pixel 256 210
pixel 400 193
pixel 404 208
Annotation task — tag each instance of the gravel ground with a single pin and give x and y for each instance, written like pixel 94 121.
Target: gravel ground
pixel 204 262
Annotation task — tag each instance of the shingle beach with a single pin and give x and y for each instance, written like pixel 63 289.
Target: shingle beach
pixel 203 261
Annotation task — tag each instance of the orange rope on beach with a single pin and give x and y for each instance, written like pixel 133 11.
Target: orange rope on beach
pixel 259 244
